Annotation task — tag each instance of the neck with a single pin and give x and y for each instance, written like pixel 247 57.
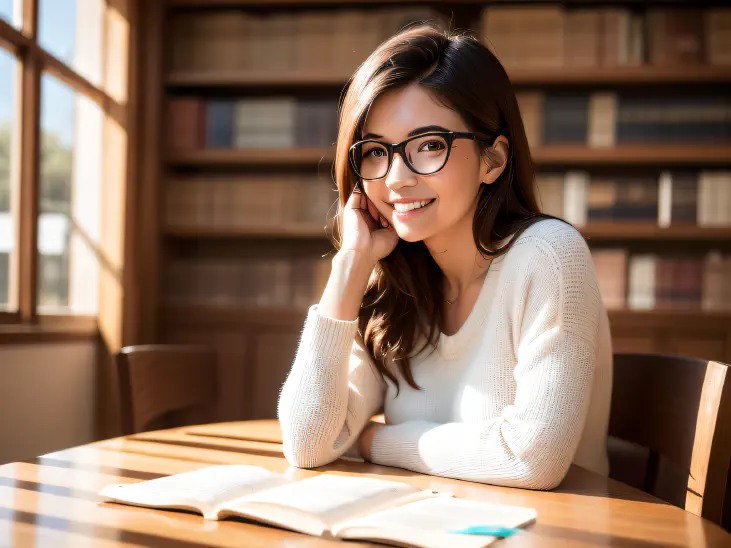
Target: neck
pixel 455 252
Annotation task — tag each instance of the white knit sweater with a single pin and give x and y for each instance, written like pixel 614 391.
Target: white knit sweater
pixel 515 396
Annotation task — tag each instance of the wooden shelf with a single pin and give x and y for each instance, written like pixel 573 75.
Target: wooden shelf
pixel 243 157
pixel 642 154
pixel 182 315
pixel 670 319
pixel 254 78
pixel 619 231
pixel 316 3
pixel 607 76
pixel 294 231
pixel 569 155
pixel 291 3
pixel 271 316
pixel 616 231
pixel 701 74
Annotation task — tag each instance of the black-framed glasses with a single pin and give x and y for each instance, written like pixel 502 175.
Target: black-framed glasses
pixel 424 154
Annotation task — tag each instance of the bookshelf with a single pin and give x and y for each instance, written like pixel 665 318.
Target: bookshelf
pixel 617 76
pixel 256 342
pixel 616 231
pixel 281 231
pixel 550 155
pixel 594 232
pixel 242 157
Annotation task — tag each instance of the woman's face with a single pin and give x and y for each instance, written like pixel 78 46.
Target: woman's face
pixel 453 189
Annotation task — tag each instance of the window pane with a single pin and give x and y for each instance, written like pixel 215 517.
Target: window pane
pixel 57 147
pixel 11 11
pixel 69 224
pixel 8 295
pixel 71 30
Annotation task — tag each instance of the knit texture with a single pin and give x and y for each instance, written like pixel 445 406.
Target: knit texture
pixel 512 398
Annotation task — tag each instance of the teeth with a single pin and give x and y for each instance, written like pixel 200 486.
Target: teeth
pixel 403 208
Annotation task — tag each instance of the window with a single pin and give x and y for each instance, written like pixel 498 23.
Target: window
pixel 63 153
pixel 58 21
pixel 10 10
pixel 69 200
pixel 54 219
pixel 7 176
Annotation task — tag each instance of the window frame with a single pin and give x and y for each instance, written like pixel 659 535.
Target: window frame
pixel 32 62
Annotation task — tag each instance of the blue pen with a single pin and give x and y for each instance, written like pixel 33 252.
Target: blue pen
pixel 491 530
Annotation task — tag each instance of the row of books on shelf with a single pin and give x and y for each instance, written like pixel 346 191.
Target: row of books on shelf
pixel 296 199
pixel 597 120
pixel 553 36
pixel 675 198
pixel 262 122
pixel 228 41
pixel 647 281
pixel 248 201
pixel 273 282
pixel 604 119
pixel 637 281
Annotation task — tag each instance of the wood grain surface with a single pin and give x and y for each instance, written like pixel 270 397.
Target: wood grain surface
pixel 52 500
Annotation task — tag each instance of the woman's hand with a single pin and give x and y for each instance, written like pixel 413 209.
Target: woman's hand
pixel 365 440
pixel 365 230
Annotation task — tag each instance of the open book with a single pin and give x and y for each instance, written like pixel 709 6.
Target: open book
pixel 326 505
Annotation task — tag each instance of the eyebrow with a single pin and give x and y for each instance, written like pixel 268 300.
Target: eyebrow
pixel 411 133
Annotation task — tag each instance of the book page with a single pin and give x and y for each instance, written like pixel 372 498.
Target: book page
pixel 202 490
pixel 427 523
pixel 315 505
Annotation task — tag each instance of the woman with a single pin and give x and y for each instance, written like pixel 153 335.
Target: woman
pixel 471 319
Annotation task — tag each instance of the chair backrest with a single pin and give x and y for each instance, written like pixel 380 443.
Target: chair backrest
pixel 671 419
pixel 162 386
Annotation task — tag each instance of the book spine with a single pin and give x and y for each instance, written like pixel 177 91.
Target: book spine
pixel 602 122
pixel 575 197
pixel 665 199
pixel 220 124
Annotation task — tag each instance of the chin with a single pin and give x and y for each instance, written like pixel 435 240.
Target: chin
pixel 411 235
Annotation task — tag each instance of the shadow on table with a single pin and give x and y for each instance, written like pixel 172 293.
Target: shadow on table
pixel 578 481
pixel 273 452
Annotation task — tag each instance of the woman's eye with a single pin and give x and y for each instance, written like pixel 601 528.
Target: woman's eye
pixel 374 152
pixel 438 145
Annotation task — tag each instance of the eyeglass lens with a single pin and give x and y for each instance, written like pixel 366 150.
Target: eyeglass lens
pixel 426 154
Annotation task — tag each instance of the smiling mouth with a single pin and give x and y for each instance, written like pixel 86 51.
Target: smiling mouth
pixel 430 202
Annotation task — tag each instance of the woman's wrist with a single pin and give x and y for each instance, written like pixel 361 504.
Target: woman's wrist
pixel 353 264
pixel 348 281
pixel 365 440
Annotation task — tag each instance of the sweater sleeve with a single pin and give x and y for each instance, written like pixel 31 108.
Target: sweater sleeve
pixel 555 323
pixel 330 394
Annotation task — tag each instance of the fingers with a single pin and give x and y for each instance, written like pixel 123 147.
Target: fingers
pixel 359 200
pixel 356 200
pixel 376 215
pixel 373 211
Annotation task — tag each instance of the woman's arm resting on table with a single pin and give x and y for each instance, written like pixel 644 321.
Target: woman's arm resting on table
pixel 330 394
pixel 533 442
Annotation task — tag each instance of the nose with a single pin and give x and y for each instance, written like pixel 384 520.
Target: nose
pixel 400 175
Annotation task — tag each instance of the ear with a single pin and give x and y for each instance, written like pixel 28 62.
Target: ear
pixel 494 160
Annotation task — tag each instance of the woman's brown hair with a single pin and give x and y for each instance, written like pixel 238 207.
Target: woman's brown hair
pixel 404 298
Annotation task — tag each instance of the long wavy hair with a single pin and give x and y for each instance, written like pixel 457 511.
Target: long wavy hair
pixel 404 299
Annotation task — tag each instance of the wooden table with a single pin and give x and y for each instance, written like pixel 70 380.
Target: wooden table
pixel 52 501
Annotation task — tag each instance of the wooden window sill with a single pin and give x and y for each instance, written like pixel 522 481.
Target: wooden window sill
pixel 51 329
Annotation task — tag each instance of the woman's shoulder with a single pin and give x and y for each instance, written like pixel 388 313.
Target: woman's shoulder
pixel 553 244
pixel 554 259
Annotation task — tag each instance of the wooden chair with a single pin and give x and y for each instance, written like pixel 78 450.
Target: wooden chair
pixel 162 386
pixel 670 430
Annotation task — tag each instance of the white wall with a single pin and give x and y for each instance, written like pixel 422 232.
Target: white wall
pixel 46 398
